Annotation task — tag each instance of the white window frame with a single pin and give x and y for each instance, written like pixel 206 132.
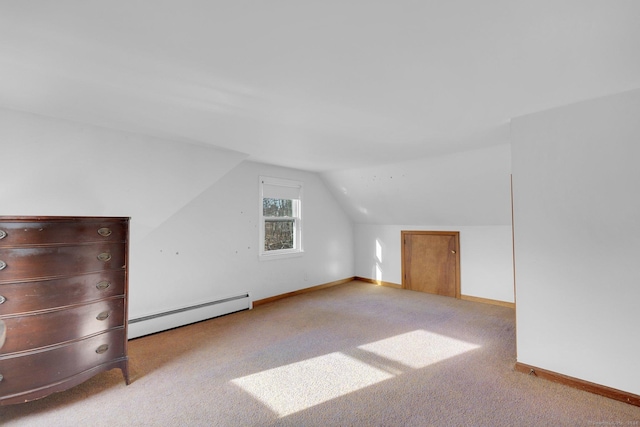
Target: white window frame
pixel 283 189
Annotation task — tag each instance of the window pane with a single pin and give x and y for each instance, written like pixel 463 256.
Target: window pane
pixel 278 234
pixel 277 207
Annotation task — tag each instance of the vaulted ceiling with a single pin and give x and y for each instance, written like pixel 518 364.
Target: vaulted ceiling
pixel 317 85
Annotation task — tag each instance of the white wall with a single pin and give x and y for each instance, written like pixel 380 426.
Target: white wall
pixel 56 167
pixel 209 248
pixel 470 190
pixel 486 266
pixel 577 239
pixel 194 209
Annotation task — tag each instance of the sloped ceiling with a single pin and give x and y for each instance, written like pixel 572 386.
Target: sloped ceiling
pixel 316 85
pixel 57 167
pixel 470 188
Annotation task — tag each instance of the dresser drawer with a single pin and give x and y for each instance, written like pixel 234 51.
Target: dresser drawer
pixel 48 328
pixel 47 232
pixel 22 297
pixel 25 373
pixel 57 261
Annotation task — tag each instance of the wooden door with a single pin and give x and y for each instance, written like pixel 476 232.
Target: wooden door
pixel 431 262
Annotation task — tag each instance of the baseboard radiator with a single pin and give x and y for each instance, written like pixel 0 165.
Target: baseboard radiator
pixel 185 315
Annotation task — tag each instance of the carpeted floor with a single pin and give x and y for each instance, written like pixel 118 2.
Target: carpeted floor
pixel 351 355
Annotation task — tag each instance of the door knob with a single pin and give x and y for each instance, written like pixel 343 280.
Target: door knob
pixel 453 251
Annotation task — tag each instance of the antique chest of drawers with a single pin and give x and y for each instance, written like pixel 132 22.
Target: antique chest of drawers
pixel 63 302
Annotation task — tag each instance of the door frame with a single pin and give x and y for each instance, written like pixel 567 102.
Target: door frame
pixel 455 234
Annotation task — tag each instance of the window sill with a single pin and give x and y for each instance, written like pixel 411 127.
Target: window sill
pixel 268 256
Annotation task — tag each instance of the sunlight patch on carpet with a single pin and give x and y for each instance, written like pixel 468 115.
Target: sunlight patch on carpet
pixel 418 349
pixel 292 388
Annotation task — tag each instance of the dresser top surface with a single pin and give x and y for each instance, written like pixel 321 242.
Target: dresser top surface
pixel 61 218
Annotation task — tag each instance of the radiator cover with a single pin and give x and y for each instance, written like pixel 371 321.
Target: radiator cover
pixel 170 319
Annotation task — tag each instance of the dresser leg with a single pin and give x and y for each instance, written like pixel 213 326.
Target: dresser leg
pixel 124 367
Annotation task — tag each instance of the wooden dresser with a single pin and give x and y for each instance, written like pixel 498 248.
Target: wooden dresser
pixel 63 303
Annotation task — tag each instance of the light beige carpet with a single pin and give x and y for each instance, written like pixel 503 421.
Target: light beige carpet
pixel 351 355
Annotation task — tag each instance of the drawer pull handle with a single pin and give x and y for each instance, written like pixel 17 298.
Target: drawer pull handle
pixel 3 234
pixel 2 264
pixel 1 377
pixel 104 231
pixel 103 285
pixel 2 299
pixel 103 316
pixel 104 256
pixel 102 349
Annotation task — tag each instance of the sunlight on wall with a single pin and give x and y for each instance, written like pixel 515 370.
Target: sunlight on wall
pixel 378 272
pixel 292 388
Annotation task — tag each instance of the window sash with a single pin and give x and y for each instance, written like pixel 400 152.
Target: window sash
pixel 280 238
pixel 293 207
pixel 276 188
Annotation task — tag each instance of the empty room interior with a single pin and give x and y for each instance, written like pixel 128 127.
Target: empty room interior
pixel 320 189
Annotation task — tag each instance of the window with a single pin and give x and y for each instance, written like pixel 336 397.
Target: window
pixel 280 217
